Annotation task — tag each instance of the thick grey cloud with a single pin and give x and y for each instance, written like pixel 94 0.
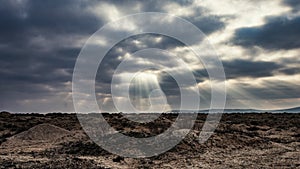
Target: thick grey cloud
pixel 40 41
pixel 239 68
pixel 290 71
pixel 128 46
pixel 234 69
pixel 275 89
pixel 292 3
pixel 208 23
pixel 36 60
pixel 244 68
pixel 23 20
pixel 111 61
pixel 277 33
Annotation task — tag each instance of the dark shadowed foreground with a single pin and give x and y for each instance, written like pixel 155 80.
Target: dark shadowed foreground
pixel 249 140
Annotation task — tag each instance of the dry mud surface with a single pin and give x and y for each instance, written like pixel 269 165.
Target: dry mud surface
pixel 249 140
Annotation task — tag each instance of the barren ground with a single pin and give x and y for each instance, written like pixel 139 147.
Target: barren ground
pixel 249 140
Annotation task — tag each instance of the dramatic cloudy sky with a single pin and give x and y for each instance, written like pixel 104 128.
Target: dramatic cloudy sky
pixel 257 41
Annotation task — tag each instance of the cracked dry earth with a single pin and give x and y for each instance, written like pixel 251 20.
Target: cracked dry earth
pixel 249 140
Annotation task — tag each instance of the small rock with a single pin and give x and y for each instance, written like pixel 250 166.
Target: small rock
pixel 118 159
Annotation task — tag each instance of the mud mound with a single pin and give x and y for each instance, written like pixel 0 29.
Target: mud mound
pixel 41 136
pixel 43 132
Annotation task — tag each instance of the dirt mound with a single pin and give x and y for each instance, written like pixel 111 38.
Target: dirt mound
pixel 41 136
pixel 43 132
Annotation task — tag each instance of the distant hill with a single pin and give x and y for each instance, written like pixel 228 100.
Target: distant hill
pixel 290 110
pixel 218 110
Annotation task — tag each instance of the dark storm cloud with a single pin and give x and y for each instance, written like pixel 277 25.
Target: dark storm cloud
pixel 149 40
pixel 292 3
pixel 277 33
pixel 37 67
pixel 205 22
pixel 62 16
pixel 36 47
pixel 233 69
pixel 24 21
pixel 169 84
pixel 150 6
pixel 275 89
pixel 21 21
pixel 39 46
pixel 238 68
pixel 244 68
pixel 290 71
pixel 129 45
pixel 170 88
pixel 111 61
pixel 208 24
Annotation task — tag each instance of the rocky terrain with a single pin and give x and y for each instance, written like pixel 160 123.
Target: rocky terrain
pixel 249 140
